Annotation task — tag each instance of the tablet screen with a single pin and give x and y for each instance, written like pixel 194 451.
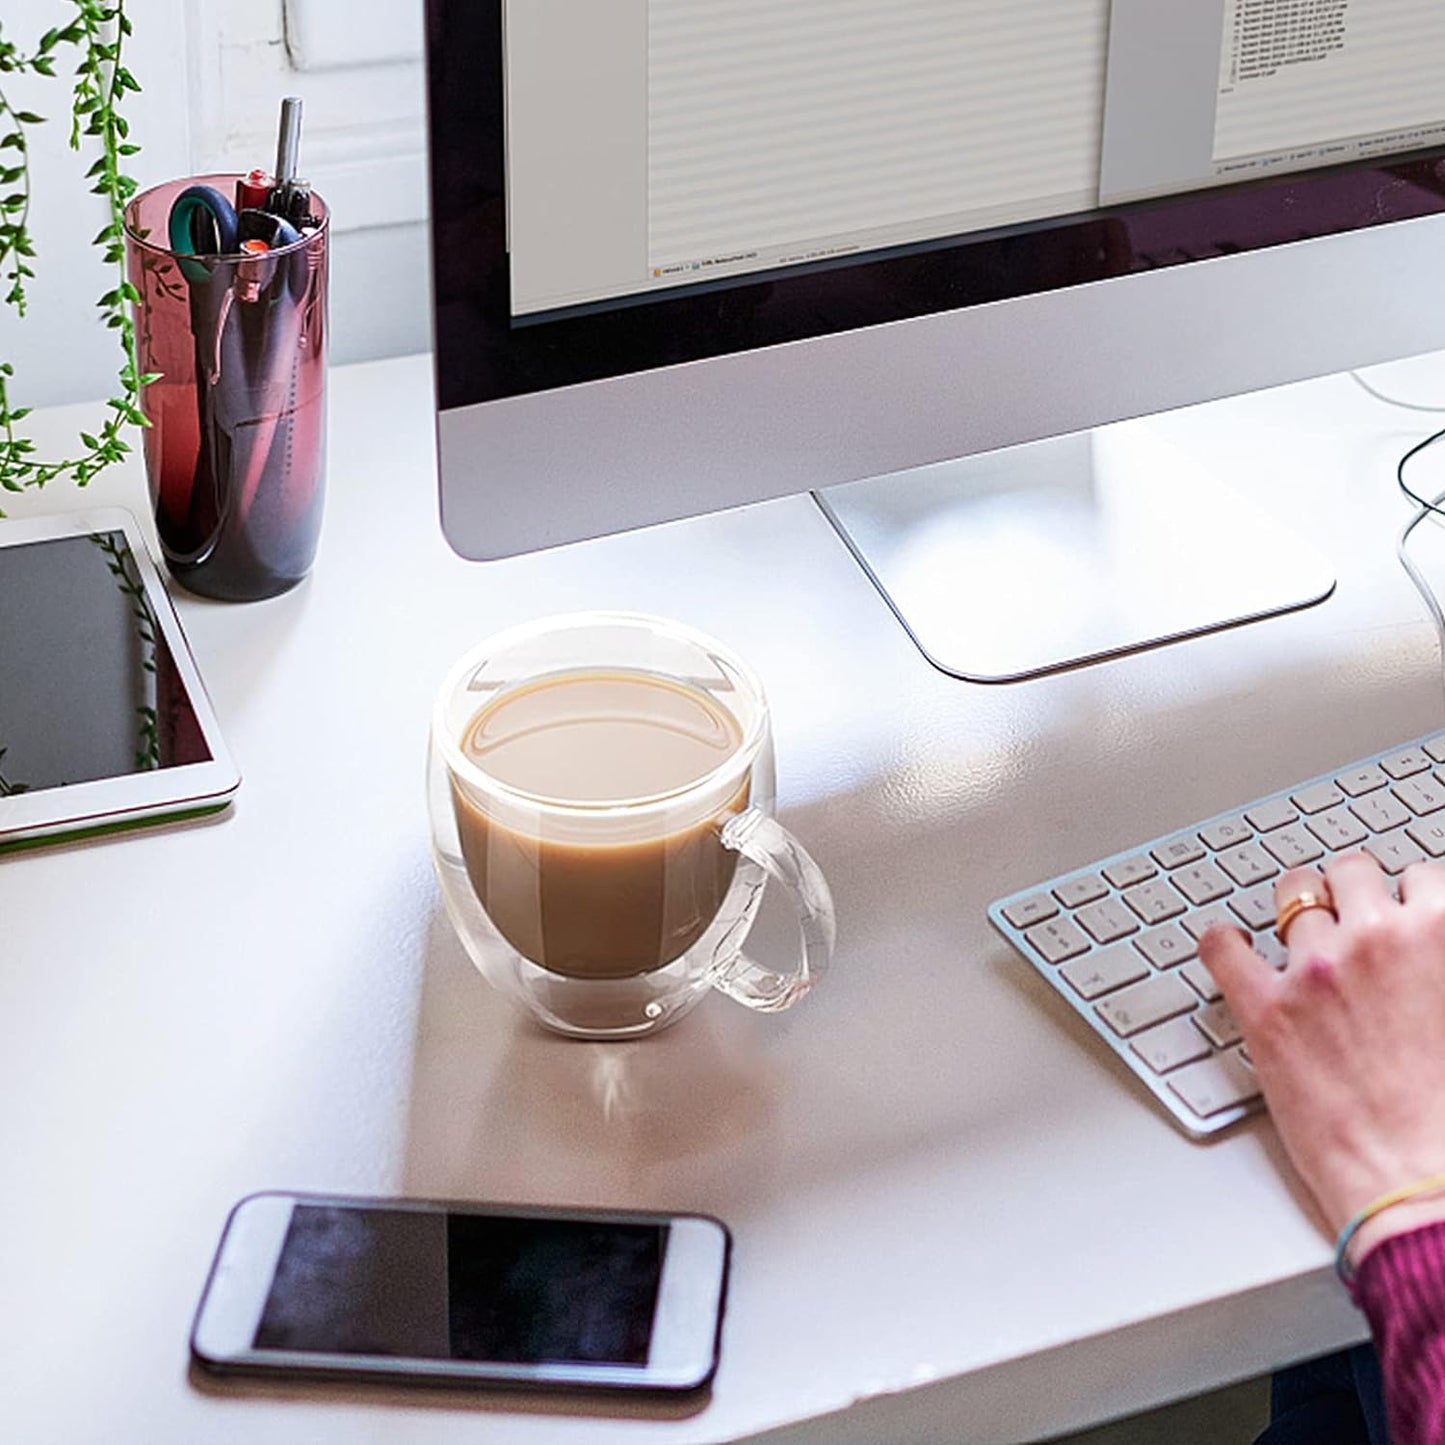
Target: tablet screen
pixel 88 686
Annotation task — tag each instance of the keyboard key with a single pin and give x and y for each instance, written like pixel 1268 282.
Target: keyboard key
pixel 1105 970
pixel 1215 1084
pixel 1339 828
pixel 1225 833
pixel 1200 882
pixel 1255 908
pixel 1075 892
pixel 1136 1008
pixel 1317 797
pixel 1380 812
pixel 1201 981
pixel 1218 1025
pixel 1294 847
pixel 1421 795
pixel 1270 949
pixel 1154 902
pixel 1056 940
pixel 1195 924
pixel 1165 946
pixel 1106 921
pixel 1266 817
pixel 1168 1045
pixel 1394 852
pixel 1130 870
pixel 1362 780
pixel 1429 836
pixel 1436 747
pixel 1177 851
pixel 1247 864
pixel 1406 762
pixel 1025 912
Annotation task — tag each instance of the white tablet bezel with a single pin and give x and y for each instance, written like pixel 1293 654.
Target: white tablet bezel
pixel 106 804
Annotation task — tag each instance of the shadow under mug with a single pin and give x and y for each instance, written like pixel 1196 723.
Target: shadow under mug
pixel 612 917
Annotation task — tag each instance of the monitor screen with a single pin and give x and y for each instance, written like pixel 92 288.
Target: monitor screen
pixel 634 185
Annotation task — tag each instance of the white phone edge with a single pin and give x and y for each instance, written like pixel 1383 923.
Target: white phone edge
pixel 687 1320
pixel 53 813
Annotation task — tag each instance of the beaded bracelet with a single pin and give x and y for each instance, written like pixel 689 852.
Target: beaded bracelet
pixel 1433 1184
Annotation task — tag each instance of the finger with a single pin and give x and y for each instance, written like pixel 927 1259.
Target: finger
pixel 1244 978
pixel 1423 884
pixel 1308 930
pixel 1359 885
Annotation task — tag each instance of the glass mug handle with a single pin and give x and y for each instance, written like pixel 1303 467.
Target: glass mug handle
pixel 768 844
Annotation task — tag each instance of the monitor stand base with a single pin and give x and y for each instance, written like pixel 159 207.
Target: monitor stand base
pixel 1044 556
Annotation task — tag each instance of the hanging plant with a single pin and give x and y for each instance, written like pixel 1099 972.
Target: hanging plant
pixel 96 36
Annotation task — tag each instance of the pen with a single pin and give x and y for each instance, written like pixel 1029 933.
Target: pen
pixel 286 191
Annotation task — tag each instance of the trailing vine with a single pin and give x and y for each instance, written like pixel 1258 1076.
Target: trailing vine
pixel 121 565
pixel 97 35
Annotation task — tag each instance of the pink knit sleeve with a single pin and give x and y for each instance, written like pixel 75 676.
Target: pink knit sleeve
pixel 1401 1288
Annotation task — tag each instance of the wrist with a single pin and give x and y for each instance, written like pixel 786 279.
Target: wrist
pixel 1401 1218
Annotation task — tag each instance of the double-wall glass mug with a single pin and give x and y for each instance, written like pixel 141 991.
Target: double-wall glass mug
pixel 601 790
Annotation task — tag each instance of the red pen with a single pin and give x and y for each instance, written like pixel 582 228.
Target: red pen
pixel 253 188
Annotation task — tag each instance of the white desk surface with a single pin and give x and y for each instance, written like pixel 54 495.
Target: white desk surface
pixel 956 1218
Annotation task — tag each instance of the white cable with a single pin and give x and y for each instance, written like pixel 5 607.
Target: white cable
pixel 1390 400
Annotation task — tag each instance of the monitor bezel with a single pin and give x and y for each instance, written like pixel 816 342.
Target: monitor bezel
pixel 484 353
pixel 554 433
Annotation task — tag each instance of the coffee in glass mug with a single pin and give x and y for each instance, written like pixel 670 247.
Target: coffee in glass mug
pixel 601 793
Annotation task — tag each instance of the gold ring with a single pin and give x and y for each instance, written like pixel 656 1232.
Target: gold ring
pixel 1291 909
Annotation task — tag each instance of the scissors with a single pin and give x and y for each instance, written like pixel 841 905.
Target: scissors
pixel 202 222
pixel 236 373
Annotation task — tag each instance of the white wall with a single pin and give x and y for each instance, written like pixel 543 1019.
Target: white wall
pixel 212 74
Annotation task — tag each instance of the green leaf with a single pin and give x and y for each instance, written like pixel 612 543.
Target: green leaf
pixel 28 117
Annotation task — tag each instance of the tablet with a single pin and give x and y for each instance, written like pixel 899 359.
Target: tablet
pixel 104 723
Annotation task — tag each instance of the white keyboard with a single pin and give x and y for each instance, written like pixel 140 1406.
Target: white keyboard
pixel 1118 939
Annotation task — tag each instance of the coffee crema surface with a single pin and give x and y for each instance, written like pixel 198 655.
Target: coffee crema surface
pixel 594 737
pixel 600 909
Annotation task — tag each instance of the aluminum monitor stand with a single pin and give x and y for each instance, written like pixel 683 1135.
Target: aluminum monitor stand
pixel 1020 562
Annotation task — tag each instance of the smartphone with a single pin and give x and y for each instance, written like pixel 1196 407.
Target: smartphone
pixel 428 1291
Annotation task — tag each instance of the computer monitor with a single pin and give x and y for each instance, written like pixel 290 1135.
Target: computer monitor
pixel 691 254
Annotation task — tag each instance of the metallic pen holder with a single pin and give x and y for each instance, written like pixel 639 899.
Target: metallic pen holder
pixel 236 448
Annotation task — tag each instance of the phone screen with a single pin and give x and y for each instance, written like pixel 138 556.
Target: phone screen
pixel 461 1286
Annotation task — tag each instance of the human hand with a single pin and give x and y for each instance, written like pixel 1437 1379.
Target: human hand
pixel 1348 1039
